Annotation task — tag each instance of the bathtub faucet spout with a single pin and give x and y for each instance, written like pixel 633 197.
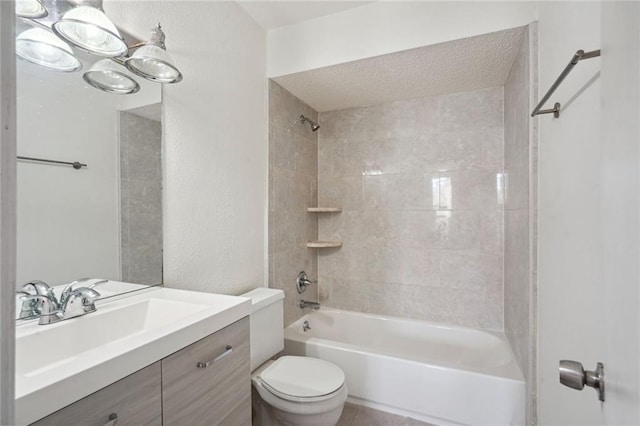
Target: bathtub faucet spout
pixel 307 304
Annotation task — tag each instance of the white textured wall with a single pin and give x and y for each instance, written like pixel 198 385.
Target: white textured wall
pixel 570 238
pixel 215 142
pixel 385 27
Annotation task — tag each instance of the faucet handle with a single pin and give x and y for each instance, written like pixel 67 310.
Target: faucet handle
pixel 69 288
pixel 79 302
pixel 38 287
pixel 95 283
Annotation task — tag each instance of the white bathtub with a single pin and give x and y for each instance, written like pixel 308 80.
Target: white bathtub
pixel 439 374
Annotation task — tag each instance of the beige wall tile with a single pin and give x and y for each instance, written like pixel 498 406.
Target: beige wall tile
pixel 478 190
pixel 140 199
pixel 281 149
pixel 517 188
pixel 520 168
pixel 458 150
pixel 422 228
pixel 343 192
pixel 285 110
pixel 476 270
pixel 478 109
pixel 399 192
pixel 293 186
pixel 346 123
pixel 493 151
pixel 460 229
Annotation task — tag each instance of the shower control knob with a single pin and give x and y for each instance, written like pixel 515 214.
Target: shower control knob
pixel 303 281
pixel 573 375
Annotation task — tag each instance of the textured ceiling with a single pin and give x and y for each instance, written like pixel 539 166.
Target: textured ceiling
pixel 274 14
pixel 455 66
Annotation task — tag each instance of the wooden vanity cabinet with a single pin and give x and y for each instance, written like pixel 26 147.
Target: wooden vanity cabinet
pixel 219 393
pixel 206 383
pixel 133 401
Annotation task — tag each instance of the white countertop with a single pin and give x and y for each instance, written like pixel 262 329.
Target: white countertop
pixel 56 365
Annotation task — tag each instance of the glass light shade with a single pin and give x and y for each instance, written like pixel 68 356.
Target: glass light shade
pixel 110 77
pixel 32 9
pixel 43 48
pixel 90 30
pixel 153 63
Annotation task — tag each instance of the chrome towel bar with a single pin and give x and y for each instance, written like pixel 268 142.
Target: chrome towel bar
pixel 579 56
pixel 75 164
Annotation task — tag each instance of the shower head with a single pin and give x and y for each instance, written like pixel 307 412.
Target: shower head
pixel 314 126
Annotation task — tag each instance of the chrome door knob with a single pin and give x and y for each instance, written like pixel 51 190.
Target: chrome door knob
pixel 573 375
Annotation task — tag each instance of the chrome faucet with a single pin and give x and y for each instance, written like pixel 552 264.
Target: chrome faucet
pixel 48 311
pixel 44 304
pixel 307 304
pixel 79 302
pixel 30 308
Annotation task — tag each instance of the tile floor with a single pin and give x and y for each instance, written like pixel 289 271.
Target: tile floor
pixel 357 415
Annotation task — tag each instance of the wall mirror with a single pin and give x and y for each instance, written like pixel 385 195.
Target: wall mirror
pixel 103 217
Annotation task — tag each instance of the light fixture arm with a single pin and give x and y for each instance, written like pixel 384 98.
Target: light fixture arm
pixel 137 45
pixel 156 39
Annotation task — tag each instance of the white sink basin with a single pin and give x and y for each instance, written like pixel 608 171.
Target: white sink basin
pixel 70 339
pixel 60 363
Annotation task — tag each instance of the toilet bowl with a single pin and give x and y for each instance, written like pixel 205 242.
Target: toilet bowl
pixel 291 390
pixel 298 391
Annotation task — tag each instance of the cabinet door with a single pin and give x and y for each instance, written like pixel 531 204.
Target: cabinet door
pixel 209 382
pixel 134 401
pixel 241 415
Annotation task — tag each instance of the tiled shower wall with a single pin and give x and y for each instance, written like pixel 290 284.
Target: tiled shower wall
pixel 293 187
pixel 520 213
pixel 421 187
pixel 140 199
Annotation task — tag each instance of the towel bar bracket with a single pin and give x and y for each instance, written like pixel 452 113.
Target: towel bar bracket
pixel 555 110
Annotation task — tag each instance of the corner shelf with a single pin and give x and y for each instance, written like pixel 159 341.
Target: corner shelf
pixel 324 209
pixel 324 244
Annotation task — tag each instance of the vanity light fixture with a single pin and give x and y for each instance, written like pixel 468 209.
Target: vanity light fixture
pixel 85 26
pixel 89 29
pixel 41 47
pixel 151 61
pixel 31 9
pixel 111 77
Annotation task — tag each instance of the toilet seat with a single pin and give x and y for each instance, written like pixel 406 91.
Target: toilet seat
pixel 306 405
pixel 302 379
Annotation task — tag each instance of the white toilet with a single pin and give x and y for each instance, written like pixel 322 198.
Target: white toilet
pixel 291 390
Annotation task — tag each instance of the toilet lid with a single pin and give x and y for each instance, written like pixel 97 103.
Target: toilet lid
pixel 302 377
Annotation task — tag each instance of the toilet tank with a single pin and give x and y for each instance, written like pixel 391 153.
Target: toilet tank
pixel 267 324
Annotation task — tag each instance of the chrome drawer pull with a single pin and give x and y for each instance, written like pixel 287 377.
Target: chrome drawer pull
pixel 227 351
pixel 113 419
